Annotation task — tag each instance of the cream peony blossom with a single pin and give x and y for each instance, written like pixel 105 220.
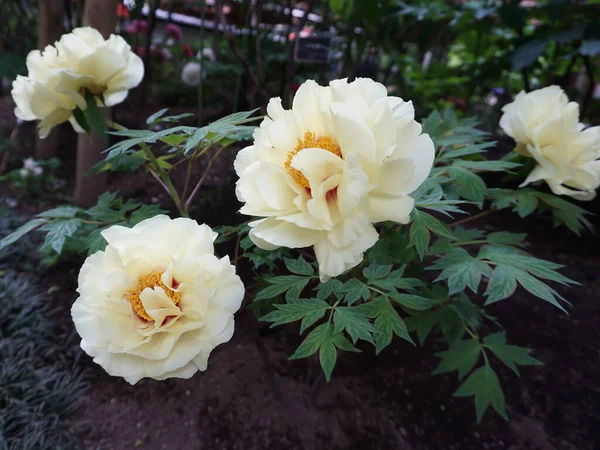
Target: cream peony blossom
pixel 345 156
pixel 545 126
pixel 157 300
pixel 58 78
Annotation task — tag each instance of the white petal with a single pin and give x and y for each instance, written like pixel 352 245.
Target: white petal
pixel 343 248
pixel 354 136
pixel 396 209
pixel 283 234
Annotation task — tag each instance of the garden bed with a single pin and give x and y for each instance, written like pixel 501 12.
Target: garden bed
pixel 253 397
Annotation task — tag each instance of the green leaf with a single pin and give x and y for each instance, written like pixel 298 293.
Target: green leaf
pixel 502 284
pixel 419 235
pixel 355 324
pixel 487 166
pixel 313 341
pixel 434 225
pixel 58 232
pixel 461 357
pixel 95 242
pixel 292 285
pixel 343 344
pixel 21 231
pixel 528 53
pixel 94 116
pixel 63 212
pixel 157 115
pixel 506 238
pixel 310 309
pixel 81 120
pixel 299 266
pixel 511 355
pixel 333 286
pixel 469 185
pixel 145 212
pixel 327 358
pixel 461 270
pixel 355 290
pixel 387 323
pixel 411 301
pixel 376 271
pixel 485 386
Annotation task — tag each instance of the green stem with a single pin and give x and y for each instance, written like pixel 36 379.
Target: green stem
pixel 481 241
pixel 157 171
pixel 472 218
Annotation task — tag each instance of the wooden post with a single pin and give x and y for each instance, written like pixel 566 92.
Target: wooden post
pixel 102 15
pixel 51 14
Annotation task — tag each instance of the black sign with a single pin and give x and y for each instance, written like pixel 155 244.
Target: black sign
pixel 313 48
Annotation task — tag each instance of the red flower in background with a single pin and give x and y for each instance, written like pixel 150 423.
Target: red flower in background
pixel 187 51
pixel 122 11
pixel 137 27
pixel 173 31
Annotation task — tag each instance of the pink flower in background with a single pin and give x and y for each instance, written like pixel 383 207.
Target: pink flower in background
pixel 187 51
pixel 137 27
pixel 173 31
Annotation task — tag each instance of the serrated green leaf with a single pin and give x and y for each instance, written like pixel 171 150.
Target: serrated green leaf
pixel 95 242
pixel 313 341
pixel 63 212
pixel 296 310
pixel 511 355
pixel 327 358
pixel 58 232
pixel 333 286
pixel 299 266
pixel 388 323
pixel 355 290
pixel 292 285
pixel 502 284
pixel 355 324
pixel 506 238
pixel 461 270
pixel 21 231
pixel 434 225
pixel 376 271
pixel 411 301
pixel 469 185
pixel 461 357
pixel 485 386
pixel 157 115
pixel 343 344
pixel 419 236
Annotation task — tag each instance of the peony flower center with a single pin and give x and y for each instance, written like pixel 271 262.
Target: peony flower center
pixel 310 141
pixel 149 281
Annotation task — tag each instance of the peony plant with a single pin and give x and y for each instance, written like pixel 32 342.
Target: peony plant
pixel 353 233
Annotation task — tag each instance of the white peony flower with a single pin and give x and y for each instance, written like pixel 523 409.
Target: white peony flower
pixel 320 174
pixel 156 301
pixel 532 116
pixel 191 73
pixel 58 78
pixel 570 165
pixel 546 127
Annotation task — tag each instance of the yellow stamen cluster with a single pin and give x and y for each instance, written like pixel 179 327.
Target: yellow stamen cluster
pixel 149 281
pixel 310 141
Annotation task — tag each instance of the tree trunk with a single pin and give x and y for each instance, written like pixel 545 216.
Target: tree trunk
pixel 102 15
pixel 51 14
